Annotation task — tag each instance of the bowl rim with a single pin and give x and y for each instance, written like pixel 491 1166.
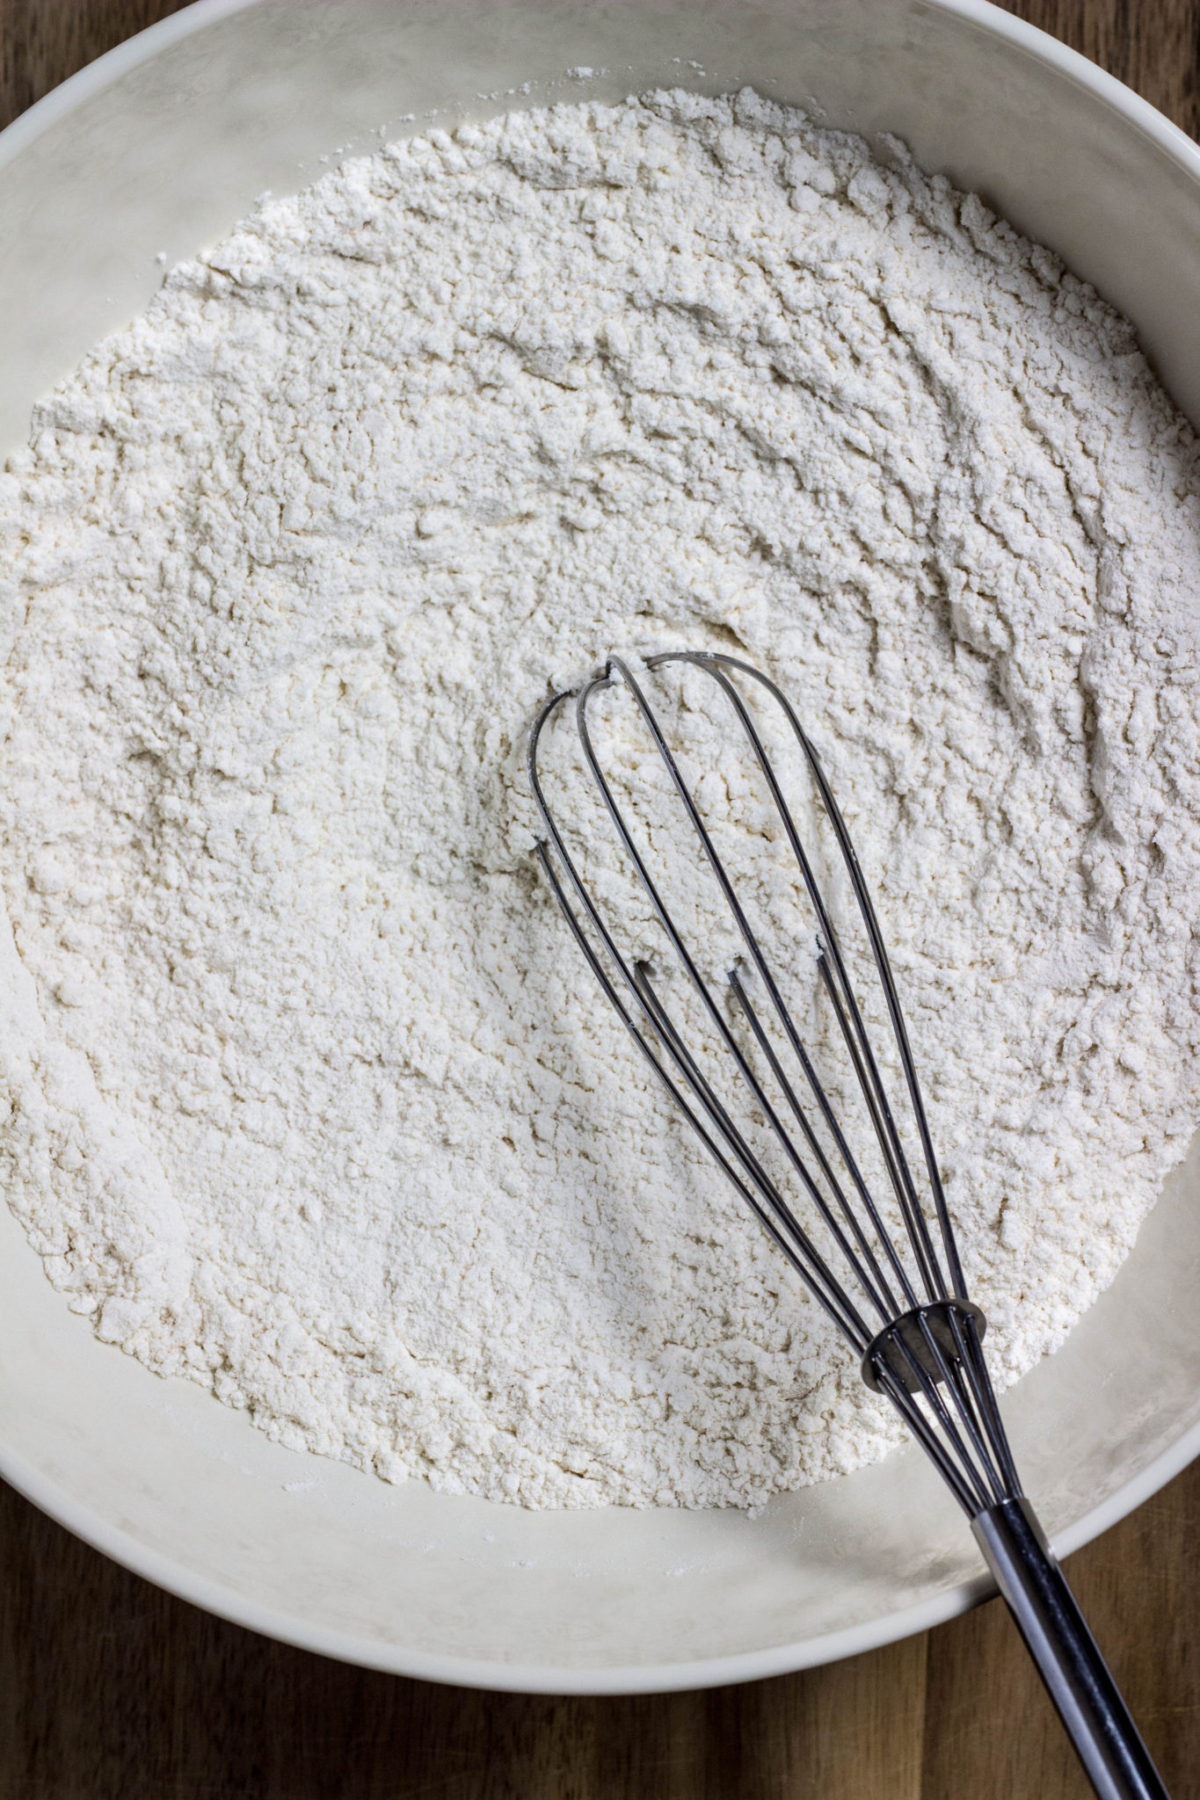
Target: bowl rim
pixel 123 1548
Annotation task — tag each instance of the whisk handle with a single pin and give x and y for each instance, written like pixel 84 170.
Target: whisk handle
pixel 1057 1637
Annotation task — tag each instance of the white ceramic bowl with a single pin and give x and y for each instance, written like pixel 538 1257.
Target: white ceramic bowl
pixel 157 148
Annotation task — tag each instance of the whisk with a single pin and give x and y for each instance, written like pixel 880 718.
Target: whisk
pixel 867 1229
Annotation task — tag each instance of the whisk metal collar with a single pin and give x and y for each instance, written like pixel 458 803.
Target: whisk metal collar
pixel 907 1340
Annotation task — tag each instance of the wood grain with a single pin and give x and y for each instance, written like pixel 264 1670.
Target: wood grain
pixel 112 1690
pixel 44 41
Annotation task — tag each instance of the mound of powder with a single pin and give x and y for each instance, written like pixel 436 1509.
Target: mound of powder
pixel 308 1096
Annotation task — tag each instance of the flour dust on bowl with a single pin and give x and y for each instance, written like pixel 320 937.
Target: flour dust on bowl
pixel 279 547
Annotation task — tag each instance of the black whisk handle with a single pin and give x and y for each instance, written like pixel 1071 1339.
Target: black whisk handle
pixel 1057 1637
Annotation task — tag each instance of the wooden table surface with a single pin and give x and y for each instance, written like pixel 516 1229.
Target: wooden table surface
pixel 113 1690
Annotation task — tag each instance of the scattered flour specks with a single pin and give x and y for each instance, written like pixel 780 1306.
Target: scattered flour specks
pixel 306 1096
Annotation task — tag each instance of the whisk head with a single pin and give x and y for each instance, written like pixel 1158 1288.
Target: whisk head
pixel 821 1129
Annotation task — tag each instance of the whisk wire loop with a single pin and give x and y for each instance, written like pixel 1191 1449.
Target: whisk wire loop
pixel 842 992
pixel 863 1061
pixel 963 1430
pixel 831 963
pixel 882 1301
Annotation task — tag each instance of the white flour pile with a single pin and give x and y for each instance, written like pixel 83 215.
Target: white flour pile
pixel 308 1095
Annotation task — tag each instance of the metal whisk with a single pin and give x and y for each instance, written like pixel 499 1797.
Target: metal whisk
pixel 897 1295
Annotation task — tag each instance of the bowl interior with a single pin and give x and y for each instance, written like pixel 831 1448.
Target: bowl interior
pixel 157 150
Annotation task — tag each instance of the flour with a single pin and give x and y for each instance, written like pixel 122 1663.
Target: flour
pixel 309 1098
